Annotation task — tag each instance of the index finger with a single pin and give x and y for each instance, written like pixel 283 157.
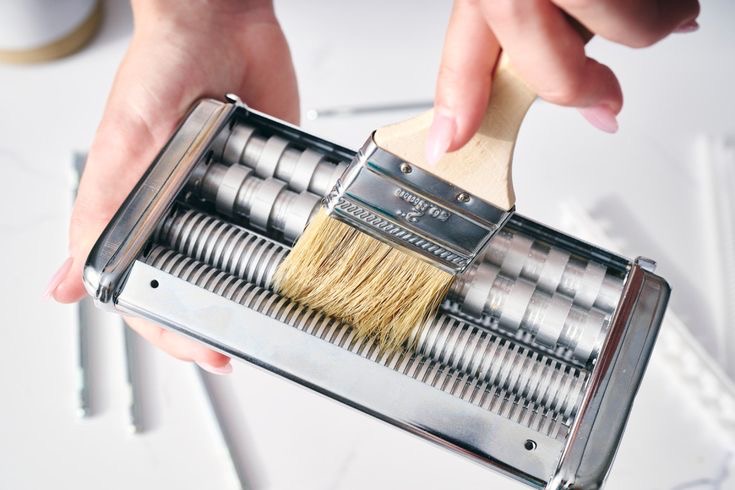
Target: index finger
pixel 548 53
pixel 465 74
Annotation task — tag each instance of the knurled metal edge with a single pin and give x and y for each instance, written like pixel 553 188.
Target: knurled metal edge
pixel 356 215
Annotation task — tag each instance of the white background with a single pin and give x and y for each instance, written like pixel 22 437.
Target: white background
pixel 639 181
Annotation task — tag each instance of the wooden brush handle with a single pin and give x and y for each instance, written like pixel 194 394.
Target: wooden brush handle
pixel 483 166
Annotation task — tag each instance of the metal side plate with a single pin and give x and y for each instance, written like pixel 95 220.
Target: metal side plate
pixel 595 435
pixel 131 227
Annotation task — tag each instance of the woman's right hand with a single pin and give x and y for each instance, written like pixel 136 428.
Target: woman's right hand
pixel 546 51
pixel 180 52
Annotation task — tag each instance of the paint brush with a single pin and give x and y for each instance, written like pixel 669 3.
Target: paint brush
pixel 394 232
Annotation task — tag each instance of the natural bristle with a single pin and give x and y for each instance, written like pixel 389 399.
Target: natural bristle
pixel 379 290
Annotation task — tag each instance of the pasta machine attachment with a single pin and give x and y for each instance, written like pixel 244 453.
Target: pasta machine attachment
pixel 530 367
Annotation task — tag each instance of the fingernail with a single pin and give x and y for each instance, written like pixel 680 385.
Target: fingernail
pixel 688 26
pixel 56 279
pixel 601 117
pixel 219 370
pixel 439 138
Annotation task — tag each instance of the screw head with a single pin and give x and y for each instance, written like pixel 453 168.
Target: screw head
pixel 406 168
pixel 646 264
pixel 463 197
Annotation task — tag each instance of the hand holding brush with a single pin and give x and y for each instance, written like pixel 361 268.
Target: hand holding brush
pixel 407 217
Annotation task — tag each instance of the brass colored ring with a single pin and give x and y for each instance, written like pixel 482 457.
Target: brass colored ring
pixel 71 43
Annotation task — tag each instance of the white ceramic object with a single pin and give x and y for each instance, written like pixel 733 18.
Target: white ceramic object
pixel 30 24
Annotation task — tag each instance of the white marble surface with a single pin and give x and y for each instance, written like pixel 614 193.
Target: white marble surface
pixel 290 437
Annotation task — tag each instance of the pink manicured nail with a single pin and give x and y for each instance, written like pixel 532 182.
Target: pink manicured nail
pixel 688 26
pixel 226 369
pixel 440 137
pixel 601 117
pixel 56 279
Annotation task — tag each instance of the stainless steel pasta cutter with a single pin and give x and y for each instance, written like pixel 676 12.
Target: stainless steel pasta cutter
pixel 531 366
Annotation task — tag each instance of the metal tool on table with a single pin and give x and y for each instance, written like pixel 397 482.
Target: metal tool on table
pixel 359 110
pixel 82 323
pixel 136 413
pixel 530 366
pixel 84 309
pixel 229 444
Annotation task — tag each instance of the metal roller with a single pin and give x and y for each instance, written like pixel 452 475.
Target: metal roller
pixel 236 141
pixel 554 270
pixel 582 281
pixel 552 320
pixel 500 362
pixel 274 157
pixel 451 342
pixel 222 245
pixel 266 203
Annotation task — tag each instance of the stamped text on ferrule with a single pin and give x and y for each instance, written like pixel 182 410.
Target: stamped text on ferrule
pixel 420 207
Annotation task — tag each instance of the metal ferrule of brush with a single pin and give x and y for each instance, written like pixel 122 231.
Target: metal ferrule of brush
pixel 409 208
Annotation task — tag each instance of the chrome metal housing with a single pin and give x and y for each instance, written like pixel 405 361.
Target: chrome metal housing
pixel 530 367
